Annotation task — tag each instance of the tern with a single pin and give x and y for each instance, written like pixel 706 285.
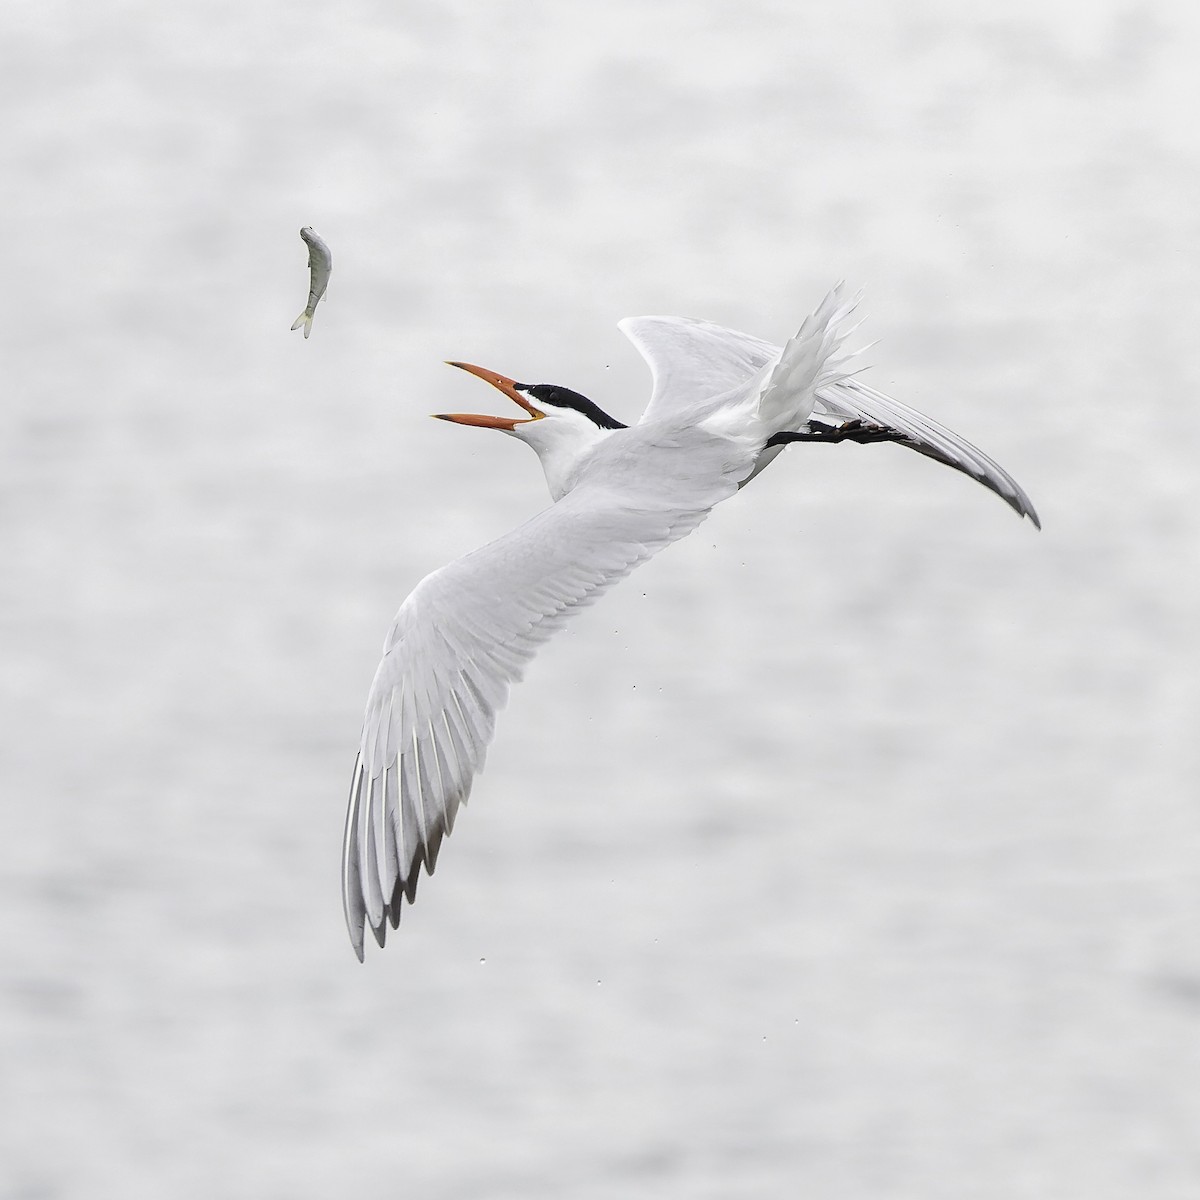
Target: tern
pixel 723 406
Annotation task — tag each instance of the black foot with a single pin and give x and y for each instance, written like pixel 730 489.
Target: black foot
pixel 856 430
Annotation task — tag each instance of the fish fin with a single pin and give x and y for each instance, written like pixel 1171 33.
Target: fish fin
pixel 305 319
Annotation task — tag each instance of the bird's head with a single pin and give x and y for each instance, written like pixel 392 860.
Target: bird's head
pixel 561 425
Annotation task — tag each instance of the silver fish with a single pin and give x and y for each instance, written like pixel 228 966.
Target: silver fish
pixel 320 266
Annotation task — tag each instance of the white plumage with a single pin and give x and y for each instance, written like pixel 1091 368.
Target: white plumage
pixel 464 635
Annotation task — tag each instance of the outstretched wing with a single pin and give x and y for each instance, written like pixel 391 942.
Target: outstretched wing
pixel 464 635
pixel 850 399
pixel 692 361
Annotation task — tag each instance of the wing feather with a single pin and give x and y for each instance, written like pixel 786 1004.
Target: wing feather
pixel 852 399
pixel 467 632
pixel 373 895
pixel 392 827
pixel 692 361
pixel 352 883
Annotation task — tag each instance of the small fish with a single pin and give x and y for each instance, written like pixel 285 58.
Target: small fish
pixel 320 265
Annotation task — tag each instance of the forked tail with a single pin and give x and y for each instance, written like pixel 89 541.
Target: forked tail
pixel 809 361
pixel 305 319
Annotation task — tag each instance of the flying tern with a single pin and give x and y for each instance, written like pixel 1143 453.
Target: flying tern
pixel 723 406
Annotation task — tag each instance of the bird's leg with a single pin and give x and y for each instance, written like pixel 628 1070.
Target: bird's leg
pixel 855 430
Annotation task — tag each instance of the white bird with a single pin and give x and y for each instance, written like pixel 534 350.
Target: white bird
pixel 320 267
pixel 723 405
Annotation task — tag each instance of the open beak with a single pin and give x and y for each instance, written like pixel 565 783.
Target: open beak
pixel 504 384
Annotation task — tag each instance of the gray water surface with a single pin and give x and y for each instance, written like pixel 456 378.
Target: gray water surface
pixel 848 849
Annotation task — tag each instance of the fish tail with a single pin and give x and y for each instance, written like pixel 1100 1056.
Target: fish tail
pixel 305 319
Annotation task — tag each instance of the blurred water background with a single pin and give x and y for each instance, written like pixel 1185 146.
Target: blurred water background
pixel 849 849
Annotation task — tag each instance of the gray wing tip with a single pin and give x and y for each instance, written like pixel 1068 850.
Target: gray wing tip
pixel 403 886
pixel 352 903
pixel 1009 490
pixel 852 397
pixel 998 480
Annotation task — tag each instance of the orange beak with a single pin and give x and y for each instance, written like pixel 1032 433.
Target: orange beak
pixel 504 384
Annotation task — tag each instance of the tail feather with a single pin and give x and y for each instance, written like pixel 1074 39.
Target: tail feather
pixel 809 360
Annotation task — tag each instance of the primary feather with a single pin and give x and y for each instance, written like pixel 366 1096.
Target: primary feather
pixel 465 634
pixel 691 360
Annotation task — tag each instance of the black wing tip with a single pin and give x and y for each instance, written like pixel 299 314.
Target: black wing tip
pixel 1016 499
pixel 359 889
pixel 998 480
pixel 984 469
pixel 396 904
pixel 380 930
pixel 409 886
pixel 404 892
